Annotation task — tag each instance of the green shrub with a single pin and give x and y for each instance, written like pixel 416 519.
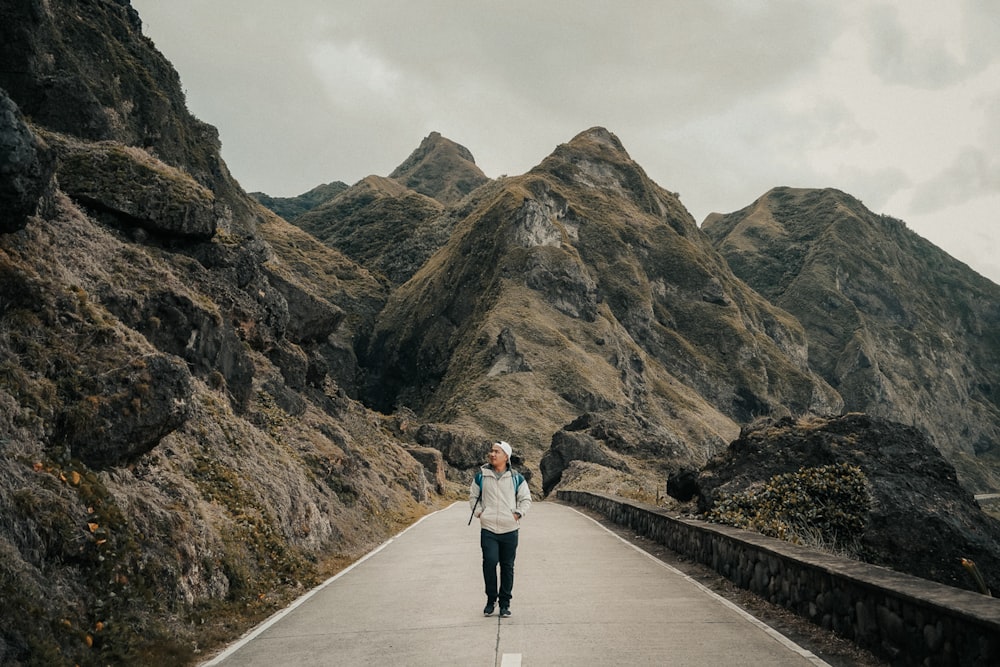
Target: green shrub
pixel 824 507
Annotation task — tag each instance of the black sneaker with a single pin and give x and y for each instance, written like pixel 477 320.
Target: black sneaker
pixel 504 612
pixel 488 609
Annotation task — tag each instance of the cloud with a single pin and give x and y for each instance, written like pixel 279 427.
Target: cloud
pixel 930 44
pixel 532 73
pixel 896 102
pixel 571 55
pixel 966 231
pixel 974 173
pixel 352 75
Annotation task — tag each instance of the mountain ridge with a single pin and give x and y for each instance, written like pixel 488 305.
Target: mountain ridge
pixel 290 208
pixel 529 245
pixel 882 306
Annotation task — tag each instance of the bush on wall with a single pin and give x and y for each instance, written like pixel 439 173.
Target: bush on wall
pixel 826 506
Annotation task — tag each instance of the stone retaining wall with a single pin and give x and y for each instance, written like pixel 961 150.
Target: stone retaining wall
pixel 907 620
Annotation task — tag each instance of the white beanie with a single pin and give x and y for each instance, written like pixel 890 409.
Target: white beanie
pixel 505 447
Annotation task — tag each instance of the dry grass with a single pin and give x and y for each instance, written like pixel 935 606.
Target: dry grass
pixel 643 486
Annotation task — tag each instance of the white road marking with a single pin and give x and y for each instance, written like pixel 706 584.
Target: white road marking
pixel 277 616
pixel 510 660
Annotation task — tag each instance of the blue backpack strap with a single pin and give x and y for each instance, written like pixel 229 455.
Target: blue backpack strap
pixel 518 479
pixel 479 479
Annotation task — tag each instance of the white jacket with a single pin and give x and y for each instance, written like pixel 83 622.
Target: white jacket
pixel 502 495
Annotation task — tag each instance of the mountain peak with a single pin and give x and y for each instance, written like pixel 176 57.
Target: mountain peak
pixel 601 137
pixel 784 212
pixel 595 159
pixel 434 143
pixel 440 168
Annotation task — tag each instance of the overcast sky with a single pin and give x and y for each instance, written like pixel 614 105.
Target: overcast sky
pixel 896 102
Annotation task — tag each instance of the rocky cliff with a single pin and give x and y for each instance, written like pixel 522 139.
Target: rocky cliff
pixel 179 454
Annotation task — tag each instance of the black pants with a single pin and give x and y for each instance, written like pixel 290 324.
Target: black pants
pixel 498 550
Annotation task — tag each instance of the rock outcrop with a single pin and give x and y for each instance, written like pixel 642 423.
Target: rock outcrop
pixel 921 521
pixel 27 166
pixel 93 75
pixel 135 188
pixel 568 446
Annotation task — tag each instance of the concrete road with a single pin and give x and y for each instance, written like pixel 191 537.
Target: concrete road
pixel 582 596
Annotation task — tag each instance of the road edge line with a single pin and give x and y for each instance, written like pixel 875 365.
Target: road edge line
pixel 774 634
pixel 281 613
